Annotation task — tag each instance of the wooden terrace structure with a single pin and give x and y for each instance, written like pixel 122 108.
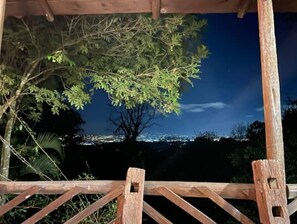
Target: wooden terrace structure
pixel 269 188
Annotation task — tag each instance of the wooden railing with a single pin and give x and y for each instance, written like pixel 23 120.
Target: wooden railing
pixel 130 193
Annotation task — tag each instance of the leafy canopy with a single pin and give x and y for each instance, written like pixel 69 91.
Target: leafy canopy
pixel 133 58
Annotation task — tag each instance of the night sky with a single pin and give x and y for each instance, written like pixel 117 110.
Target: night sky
pixel 229 91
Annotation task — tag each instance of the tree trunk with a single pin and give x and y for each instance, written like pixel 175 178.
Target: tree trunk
pixel 5 152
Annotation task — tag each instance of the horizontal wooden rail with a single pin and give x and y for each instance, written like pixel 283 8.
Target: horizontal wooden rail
pixel 184 189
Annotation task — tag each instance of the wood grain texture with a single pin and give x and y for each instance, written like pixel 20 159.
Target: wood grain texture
pixel 19 199
pixel 2 16
pixel 133 194
pixel 225 205
pixel 79 7
pixel 184 189
pixel 270 192
pixel 270 84
pixel 53 205
pixel 186 206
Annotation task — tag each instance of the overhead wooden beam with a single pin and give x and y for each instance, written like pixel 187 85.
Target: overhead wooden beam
pixel 48 11
pixel 156 7
pixel 243 8
pixel 2 18
pixel 270 84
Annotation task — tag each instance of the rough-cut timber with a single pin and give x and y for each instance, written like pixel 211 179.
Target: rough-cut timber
pixel 156 7
pixel 186 206
pixel 53 205
pixel 19 199
pixel 96 205
pixel 184 189
pixel 270 192
pixel 225 205
pixel 270 84
pixel 75 7
pixel 134 189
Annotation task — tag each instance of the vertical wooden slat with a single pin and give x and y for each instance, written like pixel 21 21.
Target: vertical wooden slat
pixel 2 18
pixel 225 205
pixel 154 214
pixel 186 206
pixel 96 205
pixel 19 199
pixel 270 84
pixel 134 189
pixel 156 7
pixel 120 205
pixel 270 192
pixel 53 205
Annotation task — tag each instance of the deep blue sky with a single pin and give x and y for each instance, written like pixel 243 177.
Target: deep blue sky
pixel 229 91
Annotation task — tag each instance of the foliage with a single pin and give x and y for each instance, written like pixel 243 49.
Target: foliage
pixel 43 155
pixel 133 58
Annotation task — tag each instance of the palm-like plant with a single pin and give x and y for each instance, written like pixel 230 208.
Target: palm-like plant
pixel 44 154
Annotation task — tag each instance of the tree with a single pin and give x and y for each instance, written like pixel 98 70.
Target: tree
pixel 133 58
pixel 131 122
pixel 239 132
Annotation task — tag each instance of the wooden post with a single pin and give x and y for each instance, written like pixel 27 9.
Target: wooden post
pixel 270 192
pixel 134 189
pixel 270 84
pixel 2 18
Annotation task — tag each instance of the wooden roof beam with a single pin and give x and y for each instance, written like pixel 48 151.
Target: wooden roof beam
pixel 243 8
pixel 2 18
pixel 48 11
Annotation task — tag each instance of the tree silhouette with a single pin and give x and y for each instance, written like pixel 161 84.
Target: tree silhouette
pixel 131 122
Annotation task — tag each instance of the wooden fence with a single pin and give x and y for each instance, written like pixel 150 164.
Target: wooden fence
pixel 130 194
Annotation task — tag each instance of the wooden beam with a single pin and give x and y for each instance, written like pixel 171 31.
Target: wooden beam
pixel 48 11
pixel 184 189
pixel 2 18
pixel 133 194
pixel 80 7
pixel 229 208
pixel 270 191
pixel 156 7
pixel 186 206
pixel 96 205
pixel 243 8
pixel 19 199
pixel 270 84
pixel 53 205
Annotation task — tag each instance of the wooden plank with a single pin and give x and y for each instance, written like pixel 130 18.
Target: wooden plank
pixel 120 206
pixel 134 188
pixel 184 189
pixel 96 205
pixel 156 7
pixel 53 205
pixel 2 18
pixel 19 199
pixel 243 8
pixel 80 7
pixel 154 214
pixel 270 84
pixel 186 206
pixel 292 207
pixel 225 205
pixel 270 192
pixel 48 11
